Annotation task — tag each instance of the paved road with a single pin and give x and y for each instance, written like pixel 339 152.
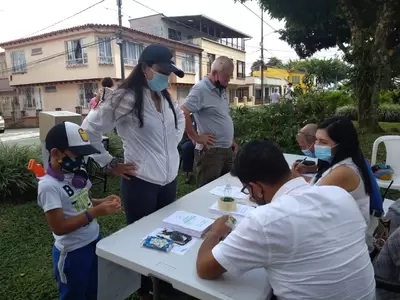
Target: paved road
pixel 22 137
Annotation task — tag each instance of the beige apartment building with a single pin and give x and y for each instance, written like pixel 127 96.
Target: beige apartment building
pixel 61 70
pixel 215 38
pixel 7 93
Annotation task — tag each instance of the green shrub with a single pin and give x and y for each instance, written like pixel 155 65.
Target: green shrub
pixel 389 97
pixel 386 112
pixel 280 122
pixel 389 113
pixel 16 182
pixel 115 145
pixel 336 98
pixel 348 111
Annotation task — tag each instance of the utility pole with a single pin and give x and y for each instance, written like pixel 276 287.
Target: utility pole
pixel 262 55
pixel 120 40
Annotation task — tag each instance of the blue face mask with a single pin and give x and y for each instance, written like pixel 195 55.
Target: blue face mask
pixel 159 82
pixel 323 152
pixel 308 153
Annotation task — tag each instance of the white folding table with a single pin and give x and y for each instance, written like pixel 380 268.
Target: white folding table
pixel 122 259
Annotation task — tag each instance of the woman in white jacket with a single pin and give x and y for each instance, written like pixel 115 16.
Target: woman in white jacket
pixel 151 127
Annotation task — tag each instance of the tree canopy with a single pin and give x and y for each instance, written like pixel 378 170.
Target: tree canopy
pixel 363 29
pixel 326 71
pixel 314 25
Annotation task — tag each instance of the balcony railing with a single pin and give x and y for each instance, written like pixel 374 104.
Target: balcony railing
pixel 77 62
pixel 105 60
pixel 237 43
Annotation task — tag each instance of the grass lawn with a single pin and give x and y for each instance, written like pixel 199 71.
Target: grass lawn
pixel 26 241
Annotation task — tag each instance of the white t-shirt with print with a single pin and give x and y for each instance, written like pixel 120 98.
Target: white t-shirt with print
pixel 310 240
pixel 53 194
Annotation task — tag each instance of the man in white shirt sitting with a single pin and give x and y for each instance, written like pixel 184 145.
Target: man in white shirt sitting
pixel 310 239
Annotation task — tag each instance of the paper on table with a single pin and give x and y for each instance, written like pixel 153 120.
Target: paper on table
pixel 178 249
pixel 241 210
pixel 236 192
pixel 189 223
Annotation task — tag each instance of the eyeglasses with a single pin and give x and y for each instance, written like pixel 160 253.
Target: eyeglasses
pixel 305 134
pixel 245 190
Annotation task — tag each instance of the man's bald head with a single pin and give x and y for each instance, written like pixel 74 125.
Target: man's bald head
pixel 306 137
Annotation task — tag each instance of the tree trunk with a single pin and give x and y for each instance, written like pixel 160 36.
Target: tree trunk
pixel 369 55
pixel 368 74
pixel 367 114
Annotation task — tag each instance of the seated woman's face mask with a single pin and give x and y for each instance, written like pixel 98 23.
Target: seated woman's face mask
pixel 324 152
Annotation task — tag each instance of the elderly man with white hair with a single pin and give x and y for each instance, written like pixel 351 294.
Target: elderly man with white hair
pixel 214 137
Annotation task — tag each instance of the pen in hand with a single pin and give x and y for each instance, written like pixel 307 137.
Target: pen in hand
pixel 303 161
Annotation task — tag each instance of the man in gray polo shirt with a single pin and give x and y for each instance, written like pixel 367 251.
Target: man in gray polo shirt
pixel 215 137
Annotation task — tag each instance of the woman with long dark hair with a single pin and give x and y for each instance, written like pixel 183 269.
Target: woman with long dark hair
pixel 337 143
pixel 106 83
pixel 151 126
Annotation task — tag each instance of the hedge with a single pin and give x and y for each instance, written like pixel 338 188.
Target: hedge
pixel 280 122
pixel 386 112
pixel 337 98
pixel 16 182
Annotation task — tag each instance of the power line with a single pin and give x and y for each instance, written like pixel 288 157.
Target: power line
pixel 124 15
pixel 254 13
pixel 67 18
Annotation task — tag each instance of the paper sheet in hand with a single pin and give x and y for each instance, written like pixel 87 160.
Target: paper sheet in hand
pixel 189 223
pixel 309 175
pixel 236 192
pixel 241 210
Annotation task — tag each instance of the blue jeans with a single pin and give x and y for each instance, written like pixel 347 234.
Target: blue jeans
pixel 187 156
pixel 76 272
pixel 141 198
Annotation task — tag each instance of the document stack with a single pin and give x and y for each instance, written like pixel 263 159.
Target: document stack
pixel 188 223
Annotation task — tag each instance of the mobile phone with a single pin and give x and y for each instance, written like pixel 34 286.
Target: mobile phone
pixel 175 236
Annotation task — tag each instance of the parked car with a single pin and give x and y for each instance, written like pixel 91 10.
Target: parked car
pixel 2 125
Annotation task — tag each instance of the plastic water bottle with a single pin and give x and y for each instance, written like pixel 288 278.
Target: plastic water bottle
pixel 228 191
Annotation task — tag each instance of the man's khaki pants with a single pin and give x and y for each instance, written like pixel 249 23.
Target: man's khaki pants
pixel 211 164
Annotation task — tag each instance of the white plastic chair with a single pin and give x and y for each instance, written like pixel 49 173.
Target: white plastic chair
pixel 392 144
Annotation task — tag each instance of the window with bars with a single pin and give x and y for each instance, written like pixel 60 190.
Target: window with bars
pixel 210 60
pixel 241 93
pixel 3 66
pixel 105 51
pixel 233 66
pixel 232 95
pixel 6 104
pixel 36 51
pixel 174 34
pixel 18 61
pixel 189 63
pixel 240 69
pixel 27 95
pixel 131 53
pixel 86 93
pixel 295 79
pixel 76 53
pixel 50 89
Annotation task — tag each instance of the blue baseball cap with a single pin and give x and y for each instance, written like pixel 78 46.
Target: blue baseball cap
pixel 162 56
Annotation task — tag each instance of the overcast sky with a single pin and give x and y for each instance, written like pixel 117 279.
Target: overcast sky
pixel 22 18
